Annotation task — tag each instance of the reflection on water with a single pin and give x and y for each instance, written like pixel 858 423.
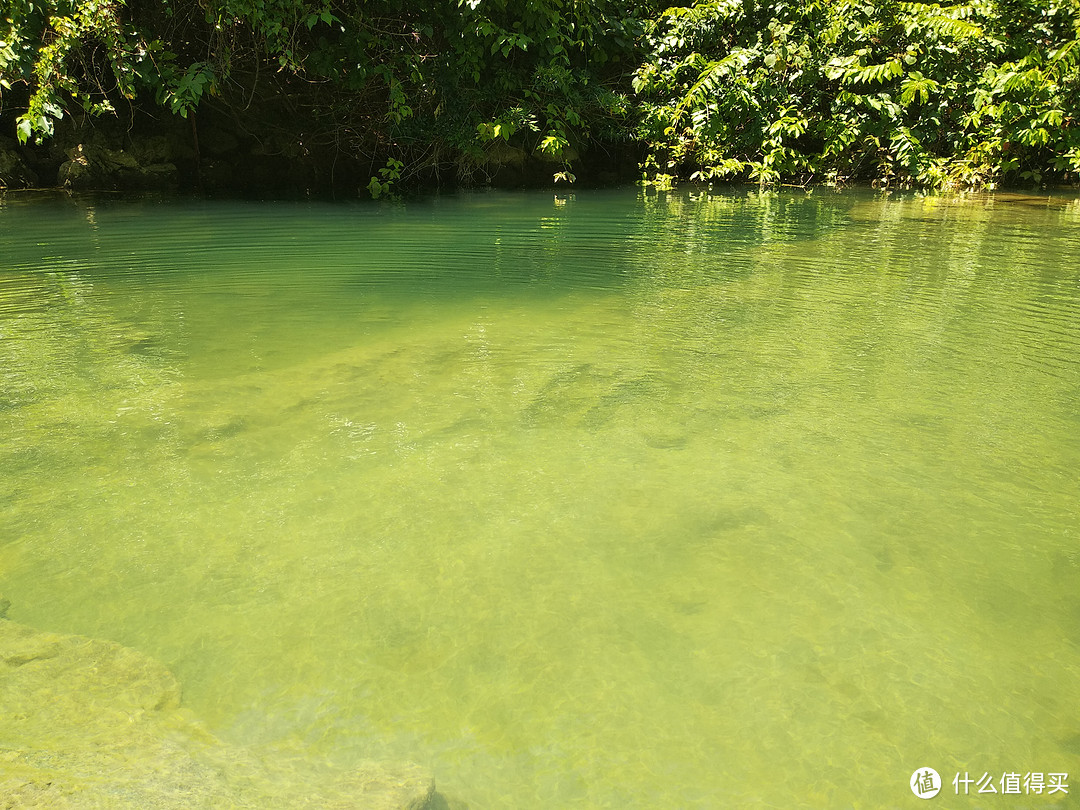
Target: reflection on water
pixel 603 501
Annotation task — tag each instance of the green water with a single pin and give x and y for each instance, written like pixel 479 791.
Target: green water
pixel 600 500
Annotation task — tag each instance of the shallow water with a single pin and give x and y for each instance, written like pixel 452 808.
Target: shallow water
pixel 595 500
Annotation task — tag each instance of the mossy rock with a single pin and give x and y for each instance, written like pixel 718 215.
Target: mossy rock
pixel 88 724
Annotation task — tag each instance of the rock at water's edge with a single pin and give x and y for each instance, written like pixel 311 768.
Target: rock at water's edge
pixel 91 724
pixel 14 173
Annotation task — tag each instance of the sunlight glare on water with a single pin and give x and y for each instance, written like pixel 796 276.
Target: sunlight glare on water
pixel 600 500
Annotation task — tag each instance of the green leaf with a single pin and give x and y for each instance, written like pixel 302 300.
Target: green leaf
pixel 916 85
pixel 376 187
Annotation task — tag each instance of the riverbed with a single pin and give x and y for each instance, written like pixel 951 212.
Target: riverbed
pixel 581 500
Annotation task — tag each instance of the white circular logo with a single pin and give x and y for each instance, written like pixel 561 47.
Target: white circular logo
pixel 925 783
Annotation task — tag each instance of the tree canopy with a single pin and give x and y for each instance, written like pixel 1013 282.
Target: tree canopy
pixel 971 93
pixel 950 94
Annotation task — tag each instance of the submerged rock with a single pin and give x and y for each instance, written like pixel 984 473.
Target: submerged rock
pixel 91 724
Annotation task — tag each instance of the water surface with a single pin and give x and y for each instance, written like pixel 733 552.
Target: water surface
pixel 594 500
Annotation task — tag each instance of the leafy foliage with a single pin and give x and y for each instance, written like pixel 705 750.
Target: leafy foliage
pixel 406 80
pixel 958 92
pixel 56 47
pixel 944 94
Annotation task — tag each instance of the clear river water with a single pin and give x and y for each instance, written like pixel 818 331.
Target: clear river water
pixel 600 499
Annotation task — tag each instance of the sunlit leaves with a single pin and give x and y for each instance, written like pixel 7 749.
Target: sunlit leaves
pixel 928 93
pixel 185 96
pixel 874 74
pixel 901 92
pixel 84 54
pixel 916 87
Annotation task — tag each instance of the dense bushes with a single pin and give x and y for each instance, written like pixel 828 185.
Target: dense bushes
pixel 419 85
pixel 970 94
pixel 952 94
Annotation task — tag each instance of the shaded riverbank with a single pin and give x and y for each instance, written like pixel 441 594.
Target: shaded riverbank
pixel 217 154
